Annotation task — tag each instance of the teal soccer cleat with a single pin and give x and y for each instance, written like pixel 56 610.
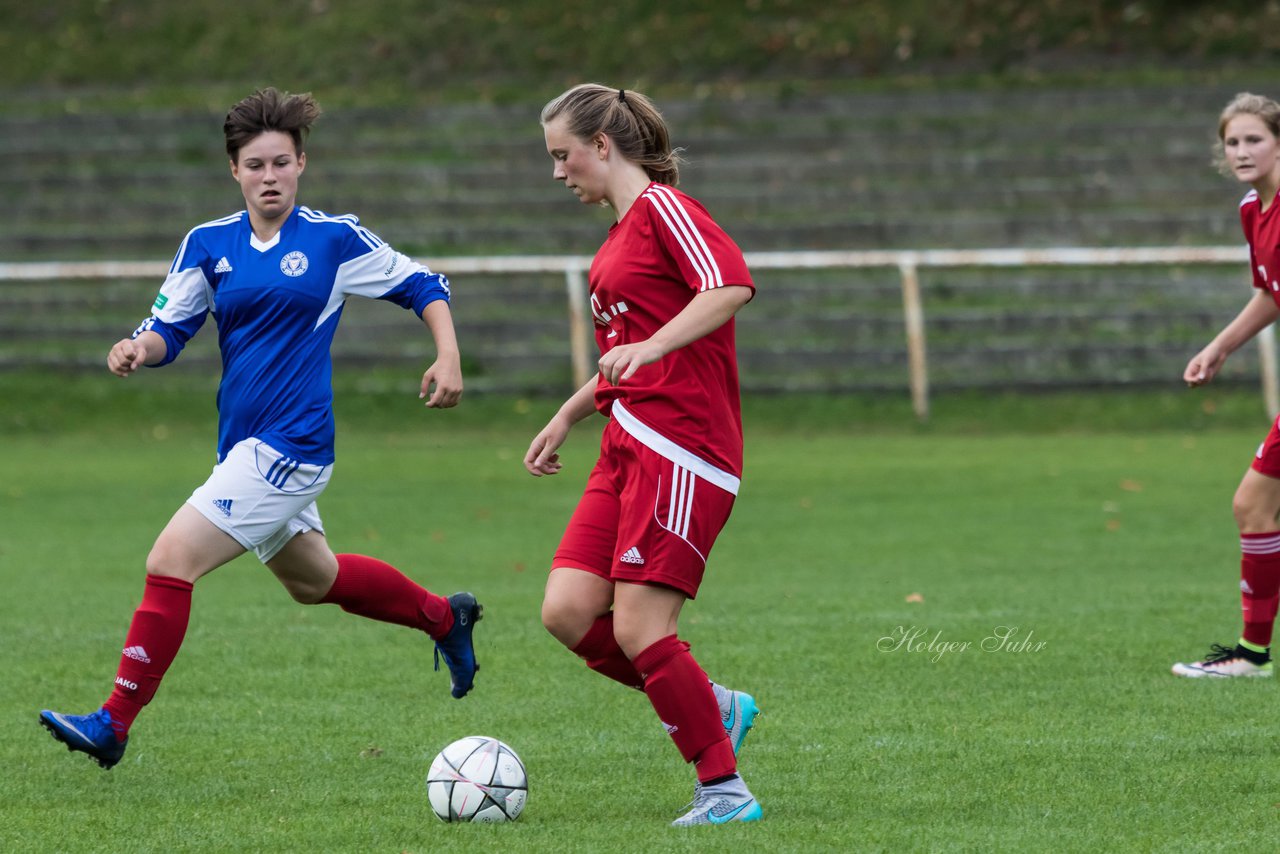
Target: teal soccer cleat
pixel 738 716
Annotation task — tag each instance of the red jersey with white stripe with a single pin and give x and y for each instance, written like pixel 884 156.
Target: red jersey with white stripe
pixel 664 252
pixel 1262 230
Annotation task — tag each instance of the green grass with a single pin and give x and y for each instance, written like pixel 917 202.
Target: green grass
pixel 181 397
pixel 287 728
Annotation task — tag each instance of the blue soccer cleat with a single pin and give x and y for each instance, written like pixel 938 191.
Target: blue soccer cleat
pixel 738 716
pixel 92 734
pixel 456 648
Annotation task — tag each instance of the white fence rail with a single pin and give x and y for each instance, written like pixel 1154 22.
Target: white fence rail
pixel 908 262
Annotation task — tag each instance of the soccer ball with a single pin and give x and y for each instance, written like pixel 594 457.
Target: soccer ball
pixel 477 778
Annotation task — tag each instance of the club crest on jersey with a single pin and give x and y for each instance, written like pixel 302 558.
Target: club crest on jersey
pixel 294 264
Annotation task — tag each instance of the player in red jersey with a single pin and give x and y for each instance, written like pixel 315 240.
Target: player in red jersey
pixel 1249 131
pixel 664 289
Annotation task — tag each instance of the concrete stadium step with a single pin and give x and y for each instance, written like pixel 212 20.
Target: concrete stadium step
pixel 845 170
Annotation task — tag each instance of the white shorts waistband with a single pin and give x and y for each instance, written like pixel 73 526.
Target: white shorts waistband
pixel 664 447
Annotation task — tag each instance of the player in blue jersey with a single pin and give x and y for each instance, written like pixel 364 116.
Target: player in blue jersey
pixel 275 277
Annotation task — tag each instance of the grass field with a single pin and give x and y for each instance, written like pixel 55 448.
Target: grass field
pixel 1102 554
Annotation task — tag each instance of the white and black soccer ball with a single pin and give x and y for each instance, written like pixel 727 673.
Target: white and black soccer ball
pixel 477 778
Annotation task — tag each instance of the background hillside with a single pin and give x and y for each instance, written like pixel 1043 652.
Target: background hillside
pixel 397 51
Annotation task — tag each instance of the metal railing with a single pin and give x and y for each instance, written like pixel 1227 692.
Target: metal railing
pixel 909 263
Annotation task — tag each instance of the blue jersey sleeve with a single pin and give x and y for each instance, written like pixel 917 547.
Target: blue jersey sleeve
pixel 175 335
pixel 373 269
pixel 419 290
pixel 183 303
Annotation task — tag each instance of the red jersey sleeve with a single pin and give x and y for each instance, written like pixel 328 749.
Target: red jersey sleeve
pixel 1249 215
pixel 705 256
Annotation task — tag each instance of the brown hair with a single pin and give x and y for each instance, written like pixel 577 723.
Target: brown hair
pixel 628 118
pixel 1245 103
pixel 269 110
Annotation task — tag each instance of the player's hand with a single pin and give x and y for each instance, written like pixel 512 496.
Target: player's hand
pixel 126 356
pixel 620 364
pixel 446 375
pixel 542 457
pixel 1204 366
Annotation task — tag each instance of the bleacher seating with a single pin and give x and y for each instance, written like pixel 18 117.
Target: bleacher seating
pixel 912 169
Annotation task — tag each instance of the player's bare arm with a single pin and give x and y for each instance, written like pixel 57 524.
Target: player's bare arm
pixel 542 459
pixel 129 354
pixel 704 314
pixel 446 372
pixel 1259 313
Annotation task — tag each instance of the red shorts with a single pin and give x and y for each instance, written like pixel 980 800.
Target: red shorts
pixel 1267 460
pixel 644 518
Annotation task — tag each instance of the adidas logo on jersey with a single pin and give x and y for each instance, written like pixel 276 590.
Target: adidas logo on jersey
pixel 137 653
pixel 224 266
pixel 223 504
pixel 632 555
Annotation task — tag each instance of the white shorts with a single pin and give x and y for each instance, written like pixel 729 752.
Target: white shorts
pixel 262 498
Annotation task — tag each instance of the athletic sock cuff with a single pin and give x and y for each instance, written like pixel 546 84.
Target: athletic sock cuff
pixel 170 582
pixel 1266 543
pixel 598 641
pixel 652 657
pixel 1253 647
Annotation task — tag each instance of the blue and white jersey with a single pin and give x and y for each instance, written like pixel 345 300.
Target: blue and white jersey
pixel 277 306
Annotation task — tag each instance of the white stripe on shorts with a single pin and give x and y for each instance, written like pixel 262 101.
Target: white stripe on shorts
pixel 680 506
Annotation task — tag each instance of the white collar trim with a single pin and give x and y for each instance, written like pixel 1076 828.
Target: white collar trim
pixel 263 246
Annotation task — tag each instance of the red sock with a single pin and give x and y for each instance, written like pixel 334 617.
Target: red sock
pixel 1259 585
pixel 370 588
pixel 681 695
pixel 154 637
pixel 599 648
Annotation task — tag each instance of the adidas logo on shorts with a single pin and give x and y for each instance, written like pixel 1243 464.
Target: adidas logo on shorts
pixel 223 504
pixel 632 555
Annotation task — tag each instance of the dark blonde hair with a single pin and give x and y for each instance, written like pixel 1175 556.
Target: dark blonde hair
pixel 628 118
pixel 1245 103
pixel 269 110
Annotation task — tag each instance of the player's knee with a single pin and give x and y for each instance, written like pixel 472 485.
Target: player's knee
pixel 306 568
pixel 631 640
pixel 305 592
pixel 1251 517
pixel 169 559
pixel 565 620
pixel 637 630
